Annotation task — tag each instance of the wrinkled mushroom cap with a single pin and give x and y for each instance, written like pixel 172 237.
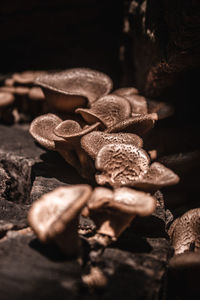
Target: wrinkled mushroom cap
pixel 71 129
pixel 53 212
pixel 42 130
pixel 6 99
pixel 121 164
pixel 72 88
pixel 185 232
pixel 109 110
pixel 94 141
pixel 139 124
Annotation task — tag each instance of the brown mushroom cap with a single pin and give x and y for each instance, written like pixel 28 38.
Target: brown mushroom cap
pixel 6 99
pixel 94 141
pixel 140 124
pixel 54 217
pixel 185 260
pixel 72 88
pixel 109 110
pixel 36 93
pixel 71 129
pixel 113 211
pixel 26 77
pixel 42 130
pixel 156 177
pixel 121 164
pixel 185 232
pixel 126 91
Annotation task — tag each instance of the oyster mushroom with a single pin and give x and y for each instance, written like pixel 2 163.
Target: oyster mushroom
pixel 64 137
pixel 67 90
pixel 139 124
pixel 94 141
pixel 109 110
pixel 54 217
pixel 26 77
pixel 144 105
pixel 113 211
pixel 185 232
pixel 128 165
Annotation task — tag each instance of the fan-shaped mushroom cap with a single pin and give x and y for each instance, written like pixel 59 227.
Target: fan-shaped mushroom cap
pixel 185 233
pixel 94 141
pixel 42 130
pixel 139 124
pixel 54 217
pixel 71 129
pixel 157 176
pixel 138 103
pixel 6 99
pixel 26 77
pixel 127 165
pixel 121 164
pixel 109 110
pixel 73 88
pixel 36 93
pixel 113 211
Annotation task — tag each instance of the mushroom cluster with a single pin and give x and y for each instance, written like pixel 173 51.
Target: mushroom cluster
pixel 20 99
pixel 100 133
pixel 97 129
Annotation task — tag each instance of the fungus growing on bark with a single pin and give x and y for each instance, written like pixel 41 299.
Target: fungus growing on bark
pixel 185 232
pixel 128 165
pixel 109 110
pixel 113 211
pixel 67 90
pixel 94 141
pixel 54 217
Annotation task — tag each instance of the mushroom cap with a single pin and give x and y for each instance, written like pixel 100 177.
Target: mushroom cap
pixel 126 91
pixel 75 87
pixel 94 141
pixel 121 200
pixel 185 261
pixel 156 177
pixel 70 129
pixel 36 93
pixel 185 232
pixel 139 124
pixel 53 212
pixel 121 164
pixel 109 110
pixel 26 77
pixel 42 130
pixel 6 99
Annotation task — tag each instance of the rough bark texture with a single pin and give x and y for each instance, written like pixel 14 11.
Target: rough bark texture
pixel 165 42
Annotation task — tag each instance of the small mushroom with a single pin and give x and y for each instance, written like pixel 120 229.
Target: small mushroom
pixel 26 77
pixel 113 211
pixel 139 124
pixel 185 232
pixel 128 165
pixel 94 141
pixel 67 90
pixel 163 109
pixel 109 110
pixel 138 103
pixel 54 217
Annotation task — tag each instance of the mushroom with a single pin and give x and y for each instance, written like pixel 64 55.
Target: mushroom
pixel 64 137
pixel 113 211
pixel 128 165
pixel 95 140
pixel 139 124
pixel 109 110
pixel 72 88
pixel 54 217
pixel 144 105
pixel 26 77
pixel 185 232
